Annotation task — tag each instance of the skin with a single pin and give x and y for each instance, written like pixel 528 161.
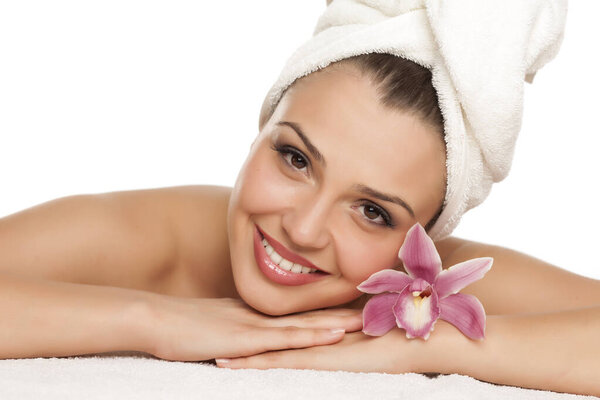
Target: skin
pixel 310 206
pixel 150 270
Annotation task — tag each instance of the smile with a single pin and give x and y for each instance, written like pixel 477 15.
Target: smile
pixel 285 263
pixel 280 265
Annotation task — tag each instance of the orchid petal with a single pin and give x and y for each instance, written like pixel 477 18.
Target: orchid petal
pixel 419 255
pixel 387 280
pixel 378 317
pixel 453 279
pixel 418 285
pixel 415 314
pixel 466 313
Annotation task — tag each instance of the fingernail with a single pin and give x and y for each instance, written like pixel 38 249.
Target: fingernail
pixel 336 331
pixel 222 360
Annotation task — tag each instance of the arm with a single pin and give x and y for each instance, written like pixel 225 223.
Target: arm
pixel 519 283
pixel 43 318
pixel 555 351
pixel 542 325
pixel 72 270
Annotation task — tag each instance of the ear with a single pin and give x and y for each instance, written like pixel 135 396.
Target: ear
pixel 329 2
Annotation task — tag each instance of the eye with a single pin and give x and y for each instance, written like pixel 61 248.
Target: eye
pixel 297 160
pixel 376 215
pixel 292 156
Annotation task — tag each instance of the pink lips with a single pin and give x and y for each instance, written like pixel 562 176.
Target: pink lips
pixel 276 274
pixel 285 253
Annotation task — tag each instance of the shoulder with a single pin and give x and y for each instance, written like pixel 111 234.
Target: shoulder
pixel 521 283
pixel 181 211
pixel 198 222
pixel 199 213
pixel 186 204
pixel 94 238
pixel 193 220
pixel 197 218
pixel 449 245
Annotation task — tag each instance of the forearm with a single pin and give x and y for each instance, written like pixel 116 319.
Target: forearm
pixel 41 318
pixel 553 351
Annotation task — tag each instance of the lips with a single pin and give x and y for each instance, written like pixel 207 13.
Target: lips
pixel 276 274
pixel 287 254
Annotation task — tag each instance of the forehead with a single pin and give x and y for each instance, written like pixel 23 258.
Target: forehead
pixel 361 139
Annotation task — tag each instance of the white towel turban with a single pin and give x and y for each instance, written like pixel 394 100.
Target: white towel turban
pixel 479 52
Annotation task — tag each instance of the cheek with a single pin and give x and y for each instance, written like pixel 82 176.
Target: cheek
pixel 262 186
pixel 359 259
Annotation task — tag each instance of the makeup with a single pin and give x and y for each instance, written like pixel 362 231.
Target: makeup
pixel 273 271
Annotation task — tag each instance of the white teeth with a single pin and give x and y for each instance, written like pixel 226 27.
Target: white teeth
pixel 296 268
pixel 276 257
pixel 286 264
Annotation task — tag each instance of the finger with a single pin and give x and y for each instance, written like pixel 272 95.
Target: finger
pixel 295 358
pixel 292 337
pixel 320 358
pixel 331 311
pixel 339 356
pixel 351 322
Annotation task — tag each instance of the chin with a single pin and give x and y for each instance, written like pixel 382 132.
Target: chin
pixel 278 301
pixel 268 300
pixel 268 309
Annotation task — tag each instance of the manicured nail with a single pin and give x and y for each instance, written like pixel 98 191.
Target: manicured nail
pixel 337 331
pixel 222 360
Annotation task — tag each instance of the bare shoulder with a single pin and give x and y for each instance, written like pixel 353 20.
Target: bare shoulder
pixel 521 283
pixel 192 221
pixel 135 239
pixel 195 223
pixel 197 218
pixel 449 245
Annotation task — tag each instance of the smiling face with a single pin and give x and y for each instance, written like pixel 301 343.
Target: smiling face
pixel 335 178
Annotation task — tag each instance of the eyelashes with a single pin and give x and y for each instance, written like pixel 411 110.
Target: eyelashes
pixel 285 150
pixel 291 155
pixel 382 213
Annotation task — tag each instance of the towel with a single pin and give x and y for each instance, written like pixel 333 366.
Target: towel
pixel 480 53
pixel 131 375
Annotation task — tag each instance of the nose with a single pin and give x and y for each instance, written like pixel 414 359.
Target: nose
pixel 306 222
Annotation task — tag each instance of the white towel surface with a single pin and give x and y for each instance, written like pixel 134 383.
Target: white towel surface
pixel 480 53
pixel 131 375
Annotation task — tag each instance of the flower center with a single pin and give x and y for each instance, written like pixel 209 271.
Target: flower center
pixel 419 296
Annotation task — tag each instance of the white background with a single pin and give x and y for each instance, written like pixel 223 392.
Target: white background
pixel 99 96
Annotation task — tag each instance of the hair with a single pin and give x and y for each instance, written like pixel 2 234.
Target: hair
pixel 404 85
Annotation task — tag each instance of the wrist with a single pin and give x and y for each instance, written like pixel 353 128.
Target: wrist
pixel 140 323
pixel 446 351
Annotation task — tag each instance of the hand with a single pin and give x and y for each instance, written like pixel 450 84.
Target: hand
pixel 356 352
pixel 185 329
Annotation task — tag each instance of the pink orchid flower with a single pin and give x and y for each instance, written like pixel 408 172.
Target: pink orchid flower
pixel 415 301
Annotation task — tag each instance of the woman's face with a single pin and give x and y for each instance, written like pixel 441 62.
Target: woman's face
pixel 335 178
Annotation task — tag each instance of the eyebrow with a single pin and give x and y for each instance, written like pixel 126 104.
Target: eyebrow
pixel 357 187
pixel 311 147
pixel 384 197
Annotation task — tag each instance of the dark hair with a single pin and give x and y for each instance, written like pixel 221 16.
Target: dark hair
pixel 406 85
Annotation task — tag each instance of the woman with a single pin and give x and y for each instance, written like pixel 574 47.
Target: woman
pixel 174 272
